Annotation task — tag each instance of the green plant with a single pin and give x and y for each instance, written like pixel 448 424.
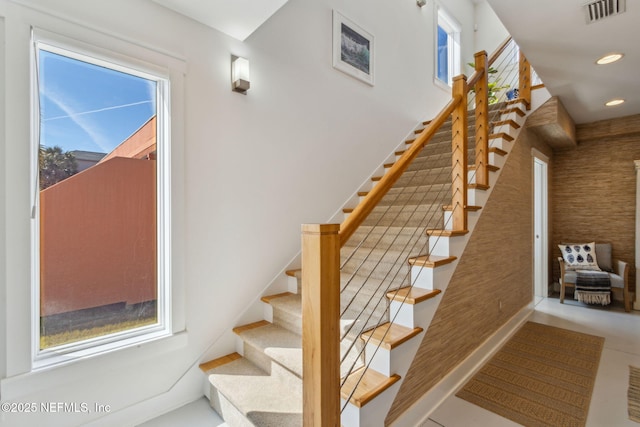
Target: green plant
pixel 493 85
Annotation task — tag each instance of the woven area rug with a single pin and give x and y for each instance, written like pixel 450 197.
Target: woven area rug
pixel 543 376
pixel 633 394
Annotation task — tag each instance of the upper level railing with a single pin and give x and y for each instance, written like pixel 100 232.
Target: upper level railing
pixel 349 270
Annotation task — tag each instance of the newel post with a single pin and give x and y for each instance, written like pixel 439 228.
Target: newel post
pixel 482 119
pixel 459 156
pixel 524 87
pixel 320 325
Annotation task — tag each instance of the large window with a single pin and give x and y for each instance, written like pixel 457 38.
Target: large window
pixel 100 155
pixel 447 48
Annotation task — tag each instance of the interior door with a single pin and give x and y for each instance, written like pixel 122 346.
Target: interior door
pixel 541 255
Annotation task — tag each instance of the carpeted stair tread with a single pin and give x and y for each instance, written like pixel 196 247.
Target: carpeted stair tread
pixel 281 345
pixel 413 215
pixel 286 311
pixel 287 301
pixel 266 400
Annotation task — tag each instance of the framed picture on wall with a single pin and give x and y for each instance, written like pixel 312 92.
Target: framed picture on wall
pixel 353 49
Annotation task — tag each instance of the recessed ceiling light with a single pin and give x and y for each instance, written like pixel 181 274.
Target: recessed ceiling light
pixel 614 102
pixel 608 59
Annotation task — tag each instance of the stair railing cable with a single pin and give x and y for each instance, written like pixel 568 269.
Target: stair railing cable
pixel 495 112
pixel 380 320
pixel 407 204
pixel 414 182
pixel 457 99
pixel 507 76
pixel 412 245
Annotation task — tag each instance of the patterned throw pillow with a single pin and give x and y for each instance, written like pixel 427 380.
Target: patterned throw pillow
pixel 579 256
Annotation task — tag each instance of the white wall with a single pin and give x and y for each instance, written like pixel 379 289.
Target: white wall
pixel 489 30
pixel 255 167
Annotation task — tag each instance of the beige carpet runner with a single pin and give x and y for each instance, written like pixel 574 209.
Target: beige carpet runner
pixel 633 394
pixel 543 376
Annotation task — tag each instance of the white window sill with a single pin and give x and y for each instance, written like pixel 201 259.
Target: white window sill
pixel 52 376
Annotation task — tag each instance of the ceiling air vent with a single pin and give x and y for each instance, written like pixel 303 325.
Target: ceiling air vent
pixel 600 9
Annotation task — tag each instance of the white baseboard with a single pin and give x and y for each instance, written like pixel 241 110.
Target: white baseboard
pixel 419 412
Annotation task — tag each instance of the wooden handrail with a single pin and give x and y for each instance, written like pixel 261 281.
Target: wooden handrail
pixel 475 77
pixel 496 53
pixel 471 81
pixel 364 208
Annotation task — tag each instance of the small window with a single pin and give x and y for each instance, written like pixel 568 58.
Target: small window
pixel 100 149
pixel 447 48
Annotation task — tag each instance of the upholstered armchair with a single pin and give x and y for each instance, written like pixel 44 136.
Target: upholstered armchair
pixel 618 273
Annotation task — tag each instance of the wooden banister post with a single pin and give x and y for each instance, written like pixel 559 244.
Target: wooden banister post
pixel 320 325
pixel 524 88
pixel 459 155
pixel 482 119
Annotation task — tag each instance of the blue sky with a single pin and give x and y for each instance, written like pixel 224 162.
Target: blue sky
pixel 88 107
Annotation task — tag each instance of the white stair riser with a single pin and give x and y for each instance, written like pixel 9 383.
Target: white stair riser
pixel 521 105
pixel 496 160
pixel 292 284
pixel 408 315
pixel 448 220
pixel 267 312
pixel 500 143
pixel 394 361
pixel 513 116
pixel 446 246
pixel 371 415
pixel 476 197
pixel 503 128
pixel 432 278
pixel 413 316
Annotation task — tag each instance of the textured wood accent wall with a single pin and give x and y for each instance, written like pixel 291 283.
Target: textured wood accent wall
pixel 553 123
pixel 497 266
pixel 594 192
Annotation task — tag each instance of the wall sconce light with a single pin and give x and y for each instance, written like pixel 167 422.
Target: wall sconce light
pixel 421 2
pixel 240 74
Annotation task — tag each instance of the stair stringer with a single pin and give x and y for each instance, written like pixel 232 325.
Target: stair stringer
pixel 374 413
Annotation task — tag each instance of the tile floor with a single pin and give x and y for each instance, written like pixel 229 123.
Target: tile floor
pixel 609 401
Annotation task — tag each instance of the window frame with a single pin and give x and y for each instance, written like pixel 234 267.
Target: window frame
pixel 44 40
pixel 452 27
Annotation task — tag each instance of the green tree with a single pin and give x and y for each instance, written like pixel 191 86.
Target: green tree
pixel 55 165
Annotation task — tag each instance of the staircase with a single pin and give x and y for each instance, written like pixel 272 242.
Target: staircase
pixel 260 384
